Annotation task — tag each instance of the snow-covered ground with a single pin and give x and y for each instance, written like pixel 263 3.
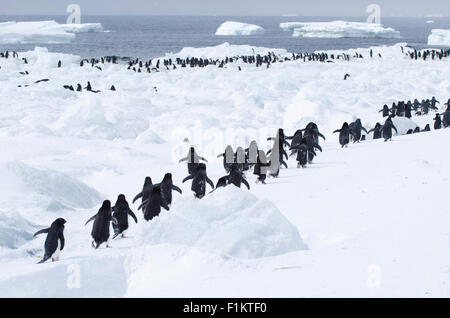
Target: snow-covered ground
pixel 439 37
pixel 339 29
pixel 370 220
pixel 43 31
pixel 239 28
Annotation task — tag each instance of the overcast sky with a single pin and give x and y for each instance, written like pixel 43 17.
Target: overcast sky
pixel 229 7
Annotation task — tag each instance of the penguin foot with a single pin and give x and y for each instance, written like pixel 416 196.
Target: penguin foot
pixel 108 246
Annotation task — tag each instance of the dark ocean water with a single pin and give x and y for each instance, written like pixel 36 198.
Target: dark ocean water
pixel 152 36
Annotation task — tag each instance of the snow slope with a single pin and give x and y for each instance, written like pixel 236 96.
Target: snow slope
pixel 368 220
pixel 239 28
pixel 339 29
pixel 439 37
pixel 13 32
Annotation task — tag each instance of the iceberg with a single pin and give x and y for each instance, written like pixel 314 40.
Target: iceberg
pixel 440 37
pixel 339 29
pixel 238 28
pixel 43 31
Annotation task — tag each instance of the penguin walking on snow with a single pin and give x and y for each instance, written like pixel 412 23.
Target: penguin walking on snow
pixel 152 206
pixel 387 129
pixel 235 177
pixel 166 187
pixel 54 242
pixel 193 160
pixel 261 167
pixel 146 190
pixel 100 229
pixel 344 135
pixel 120 212
pixel 199 180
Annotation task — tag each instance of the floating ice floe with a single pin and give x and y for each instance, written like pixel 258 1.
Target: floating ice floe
pixel 43 31
pixel 339 29
pixel 238 28
pixel 439 37
pixel 223 50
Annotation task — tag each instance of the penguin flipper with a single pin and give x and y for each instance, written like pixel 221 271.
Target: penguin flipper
pixel 143 204
pixel 210 182
pixel 91 219
pixel 41 232
pixel 62 241
pixel 139 195
pixel 174 187
pixel 182 159
pixel 364 129
pixel 165 206
pixel 284 163
pixel 337 131
pixel 245 182
pixel 320 135
pixel 188 178
pixel 318 147
pixel 131 213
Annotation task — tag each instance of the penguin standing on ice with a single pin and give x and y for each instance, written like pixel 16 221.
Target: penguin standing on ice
pixel 376 131
pixel 166 187
pixel 54 242
pixel 102 221
pixel 121 211
pixel 385 111
pixel 235 177
pixel 261 167
pixel 344 135
pixel 355 130
pixel 199 180
pixel 228 158
pixel 302 154
pixel 152 206
pixel 146 190
pixel 387 129
pixel 437 122
pixel 193 160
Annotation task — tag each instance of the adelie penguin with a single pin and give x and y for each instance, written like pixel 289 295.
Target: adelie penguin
pixel 302 154
pixel 437 122
pixel 152 206
pixel 344 135
pixel 120 212
pixel 146 190
pixel 199 180
pixel 228 158
pixel 261 167
pixel 166 187
pixel 54 242
pixel 355 130
pixel 377 133
pixel 385 111
pixel 193 160
pixel 236 178
pixel 102 221
pixel 387 129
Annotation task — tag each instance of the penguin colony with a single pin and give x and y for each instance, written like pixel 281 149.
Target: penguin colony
pixel 258 60
pixel 303 144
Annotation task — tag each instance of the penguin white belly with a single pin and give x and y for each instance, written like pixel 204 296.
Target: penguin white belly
pixel 55 255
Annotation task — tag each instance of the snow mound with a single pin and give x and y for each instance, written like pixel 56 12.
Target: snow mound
pixel 59 190
pixel 231 221
pixel 403 124
pixel 14 230
pixel 339 29
pixel 149 137
pixel 85 119
pixel 238 28
pixel 440 37
pixel 43 31
pixel 223 50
